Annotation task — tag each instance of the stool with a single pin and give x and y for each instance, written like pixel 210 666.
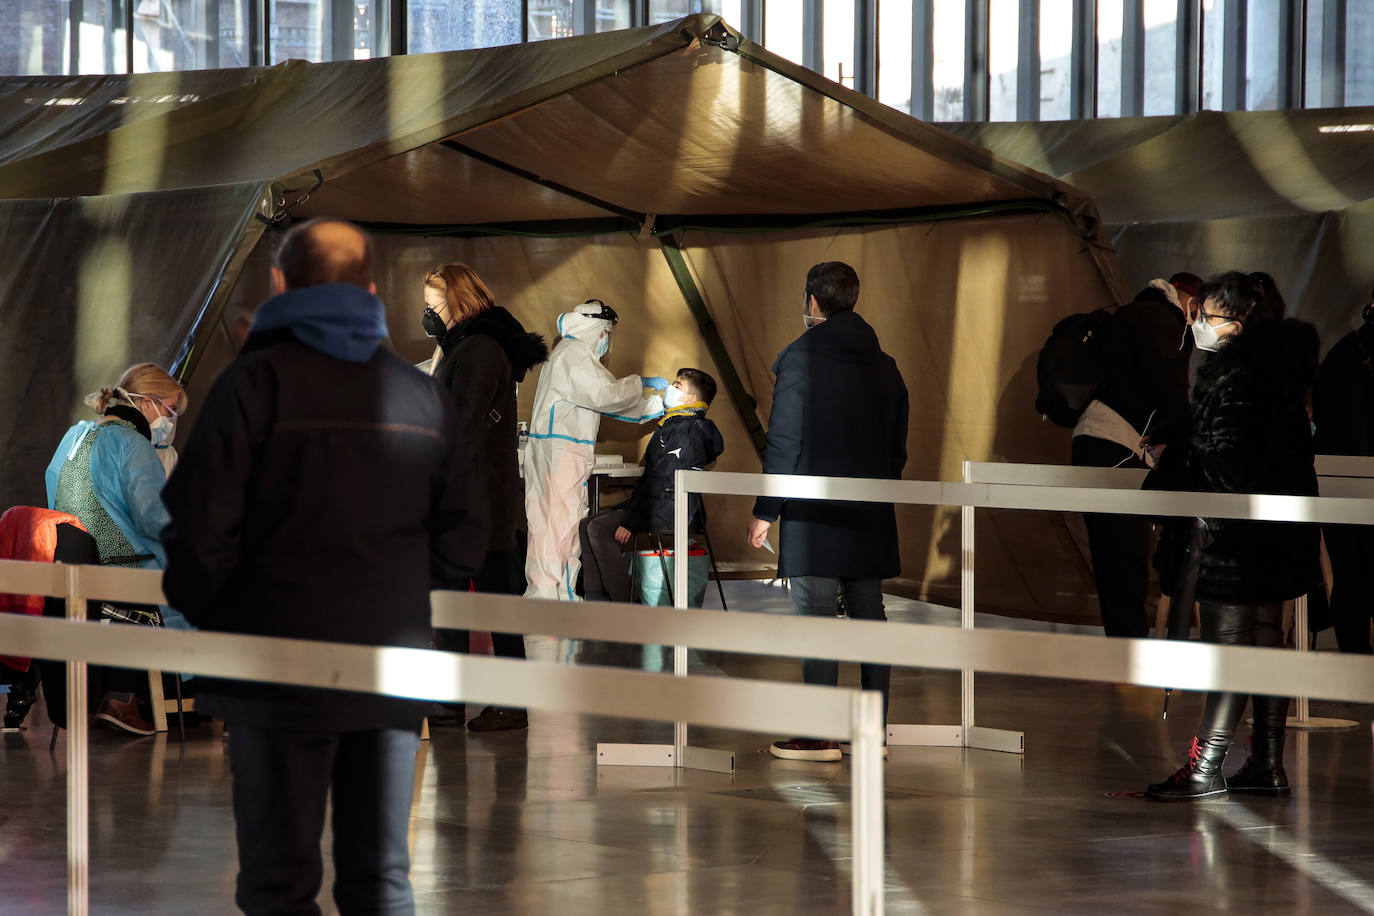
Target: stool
pixel 657 543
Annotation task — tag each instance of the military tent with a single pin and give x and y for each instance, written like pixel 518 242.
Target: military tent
pixel 681 173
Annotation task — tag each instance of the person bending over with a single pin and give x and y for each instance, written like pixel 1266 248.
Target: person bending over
pixel 684 439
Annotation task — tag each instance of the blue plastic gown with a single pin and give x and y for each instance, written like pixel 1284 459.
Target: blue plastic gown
pixel 128 477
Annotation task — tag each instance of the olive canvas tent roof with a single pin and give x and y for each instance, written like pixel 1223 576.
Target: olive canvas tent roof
pixel 680 172
pixel 1287 192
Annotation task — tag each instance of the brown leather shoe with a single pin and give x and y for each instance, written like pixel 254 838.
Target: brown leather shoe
pixel 120 711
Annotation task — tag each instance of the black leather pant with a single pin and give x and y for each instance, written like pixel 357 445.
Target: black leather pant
pixel 1241 625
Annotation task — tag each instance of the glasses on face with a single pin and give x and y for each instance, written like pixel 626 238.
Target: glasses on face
pixel 172 412
pixel 1216 320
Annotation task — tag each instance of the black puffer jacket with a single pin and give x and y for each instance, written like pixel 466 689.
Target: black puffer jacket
pixel 484 357
pixel 684 441
pixel 1250 434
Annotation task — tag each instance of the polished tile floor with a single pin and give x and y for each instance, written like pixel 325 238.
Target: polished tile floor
pixel 526 823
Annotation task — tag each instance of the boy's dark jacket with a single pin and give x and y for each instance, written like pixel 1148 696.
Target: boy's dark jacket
pixel 686 441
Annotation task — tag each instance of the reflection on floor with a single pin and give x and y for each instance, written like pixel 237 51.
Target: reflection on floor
pixel 525 822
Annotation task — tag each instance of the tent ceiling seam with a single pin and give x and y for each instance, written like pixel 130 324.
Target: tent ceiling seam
pixel 637 218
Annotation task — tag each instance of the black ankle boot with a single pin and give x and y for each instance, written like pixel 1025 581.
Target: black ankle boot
pixel 1263 773
pixel 1200 777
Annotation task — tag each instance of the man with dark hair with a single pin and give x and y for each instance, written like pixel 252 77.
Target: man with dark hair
pixel 839 410
pixel 322 493
pixel 684 439
pixel 1141 405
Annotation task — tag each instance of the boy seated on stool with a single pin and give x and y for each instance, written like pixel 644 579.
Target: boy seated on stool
pixel 684 439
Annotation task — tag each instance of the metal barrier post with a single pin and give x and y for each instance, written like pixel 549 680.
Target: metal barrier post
pixel 966 733
pixel 1302 642
pixel 78 786
pixel 866 804
pixel 679 754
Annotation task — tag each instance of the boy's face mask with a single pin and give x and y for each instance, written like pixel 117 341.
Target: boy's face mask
pixel 674 397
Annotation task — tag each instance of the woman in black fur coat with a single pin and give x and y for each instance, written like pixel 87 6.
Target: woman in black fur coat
pixel 1251 433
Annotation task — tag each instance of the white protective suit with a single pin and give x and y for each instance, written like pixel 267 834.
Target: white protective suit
pixel 575 390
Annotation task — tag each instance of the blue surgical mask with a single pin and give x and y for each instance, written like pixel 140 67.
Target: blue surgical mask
pixel 673 398
pixel 603 346
pixel 162 430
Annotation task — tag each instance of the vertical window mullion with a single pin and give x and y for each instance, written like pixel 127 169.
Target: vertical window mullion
pixel 129 36
pixel 1233 55
pixel 1133 59
pixel 976 77
pixel 1188 57
pixel 1292 43
pixel 922 59
pixel 813 35
pixel 1028 62
pixel 1083 61
pixel 866 47
pixel 751 20
pixel 1333 53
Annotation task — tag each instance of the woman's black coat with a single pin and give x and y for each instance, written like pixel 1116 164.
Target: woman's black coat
pixel 1250 434
pixel 484 357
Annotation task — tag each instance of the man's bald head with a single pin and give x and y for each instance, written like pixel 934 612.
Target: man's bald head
pixel 322 251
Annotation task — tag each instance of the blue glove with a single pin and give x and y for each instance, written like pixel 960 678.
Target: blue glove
pixel 656 382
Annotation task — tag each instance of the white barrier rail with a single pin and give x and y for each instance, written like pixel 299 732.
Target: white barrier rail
pixel 971 496
pixel 1337 475
pixel 749 705
pixel 1142 662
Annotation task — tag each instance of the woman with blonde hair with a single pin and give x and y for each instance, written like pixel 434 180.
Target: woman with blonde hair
pixel 108 474
pixel 483 353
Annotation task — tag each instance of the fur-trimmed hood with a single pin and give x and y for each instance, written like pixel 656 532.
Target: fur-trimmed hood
pixel 524 349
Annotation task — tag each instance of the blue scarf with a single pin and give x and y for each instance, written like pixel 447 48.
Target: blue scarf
pixel 338 319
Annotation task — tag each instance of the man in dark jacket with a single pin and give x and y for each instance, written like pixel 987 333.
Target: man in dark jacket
pixel 486 352
pixel 324 490
pixel 684 439
pixel 839 410
pixel 1141 403
pixel 1343 409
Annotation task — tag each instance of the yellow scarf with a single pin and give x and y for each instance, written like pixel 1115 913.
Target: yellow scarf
pixel 682 411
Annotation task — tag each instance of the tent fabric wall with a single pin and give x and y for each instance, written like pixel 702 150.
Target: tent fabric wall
pixel 963 306
pixel 90 286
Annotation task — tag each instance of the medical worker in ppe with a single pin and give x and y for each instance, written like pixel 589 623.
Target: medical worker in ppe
pixel 108 473
pixel 575 391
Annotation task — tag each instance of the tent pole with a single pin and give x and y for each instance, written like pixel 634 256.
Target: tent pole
pixel 743 402
pixel 191 352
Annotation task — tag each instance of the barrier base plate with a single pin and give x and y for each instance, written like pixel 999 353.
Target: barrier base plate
pixel 662 755
pixel 1317 723
pixel 925 736
pixel 978 738
pixel 996 739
